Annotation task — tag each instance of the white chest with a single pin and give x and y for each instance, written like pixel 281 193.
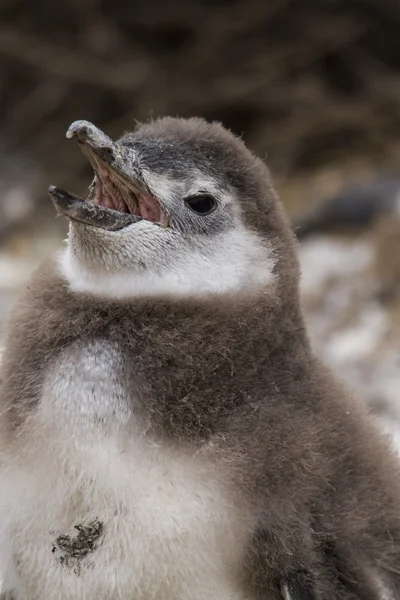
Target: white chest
pixel 96 510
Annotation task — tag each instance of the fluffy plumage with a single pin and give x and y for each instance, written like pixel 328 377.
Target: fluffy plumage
pixel 197 427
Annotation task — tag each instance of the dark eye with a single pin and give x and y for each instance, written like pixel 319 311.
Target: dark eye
pixel 202 204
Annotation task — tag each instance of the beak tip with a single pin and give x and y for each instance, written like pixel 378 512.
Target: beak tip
pixel 80 129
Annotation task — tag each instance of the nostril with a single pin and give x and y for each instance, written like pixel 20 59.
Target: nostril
pixel 106 153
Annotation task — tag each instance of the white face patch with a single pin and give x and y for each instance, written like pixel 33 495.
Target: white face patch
pixel 198 254
pixel 235 261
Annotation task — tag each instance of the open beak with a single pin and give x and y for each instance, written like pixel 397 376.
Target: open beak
pixel 78 209
pixel 117 199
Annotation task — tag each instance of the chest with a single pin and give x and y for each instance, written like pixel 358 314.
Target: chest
pixel 99 509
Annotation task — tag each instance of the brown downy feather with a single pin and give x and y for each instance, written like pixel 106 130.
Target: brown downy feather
pixel 236 372
pixel 324 481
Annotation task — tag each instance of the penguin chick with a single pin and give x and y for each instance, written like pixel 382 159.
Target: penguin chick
pixel 354 208
pixel 166 431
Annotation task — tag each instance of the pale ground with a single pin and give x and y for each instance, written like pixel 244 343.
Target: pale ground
pixel 353 331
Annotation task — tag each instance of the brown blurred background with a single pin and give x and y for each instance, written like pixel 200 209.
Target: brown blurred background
pixel 312 84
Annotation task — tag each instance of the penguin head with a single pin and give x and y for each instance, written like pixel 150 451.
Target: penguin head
pixel 178 206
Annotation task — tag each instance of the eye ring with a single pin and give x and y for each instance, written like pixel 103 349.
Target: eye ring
pixel 201 204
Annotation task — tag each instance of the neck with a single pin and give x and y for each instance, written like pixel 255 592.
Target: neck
pixel 235 264
pixel 189 349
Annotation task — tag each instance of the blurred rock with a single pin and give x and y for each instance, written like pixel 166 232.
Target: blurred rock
pixel 354 208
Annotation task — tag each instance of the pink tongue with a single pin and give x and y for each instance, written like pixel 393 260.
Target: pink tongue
pixel 149 209
pixel 102 199
pixel 109 203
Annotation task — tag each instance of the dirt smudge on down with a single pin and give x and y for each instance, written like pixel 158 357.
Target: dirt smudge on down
pixel 70 550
